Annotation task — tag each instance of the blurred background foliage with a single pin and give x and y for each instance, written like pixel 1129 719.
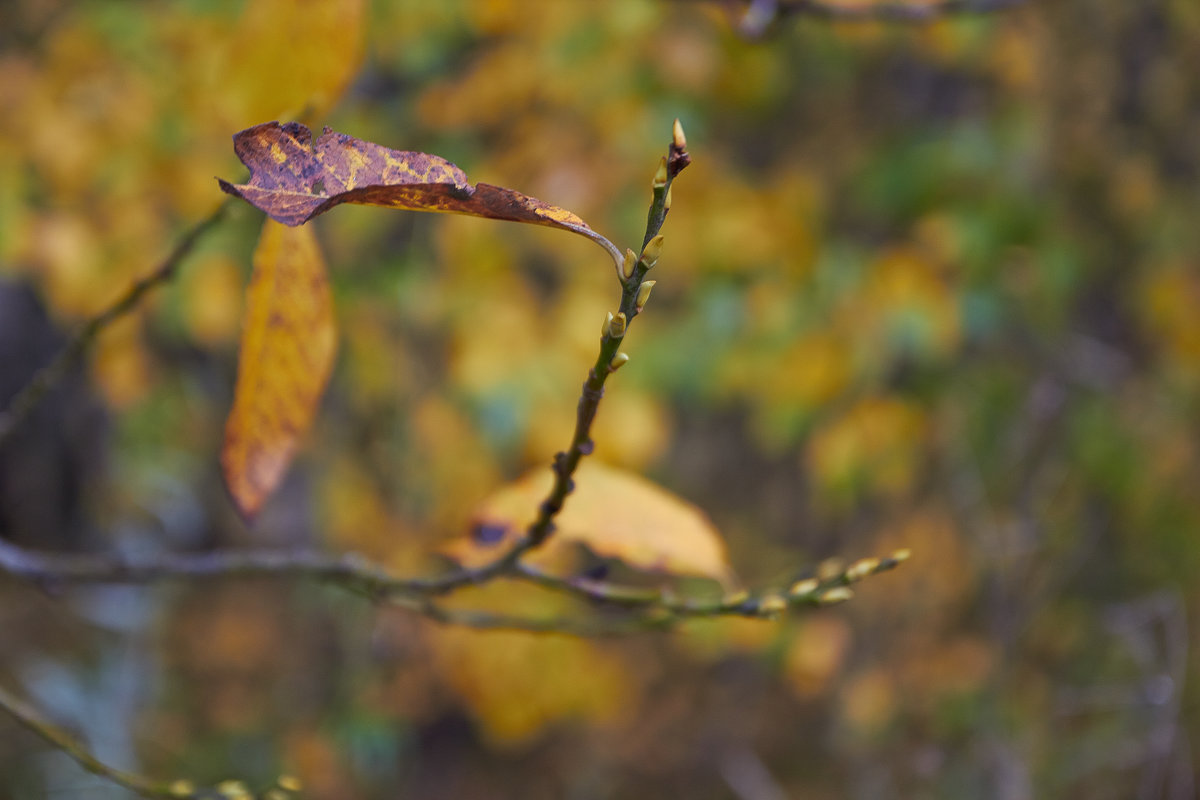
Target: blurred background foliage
pixel 926 286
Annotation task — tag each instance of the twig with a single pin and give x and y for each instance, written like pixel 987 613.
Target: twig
pixel 648 609
pixel 758 15
pixel 633 297
pixel 32 719
pixel 53 373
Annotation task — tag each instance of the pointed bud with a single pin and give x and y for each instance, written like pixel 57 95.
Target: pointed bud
pixel 181 788
pixel 667 199
pixel 630 260
pixel 289 783
pixel 234 790
pixel 607 326
pixel 838 594
pixel 677 137
pixel 804 587
pixel 618 361
pixel 772 605
pixel 660 175
pixel 643 294
pixel 902 555
pixel 616 326
pixel 652 251
pixel 830 568
pixel 737 598
pixel 862 568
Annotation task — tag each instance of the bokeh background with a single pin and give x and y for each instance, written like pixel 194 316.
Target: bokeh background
pixel 927 286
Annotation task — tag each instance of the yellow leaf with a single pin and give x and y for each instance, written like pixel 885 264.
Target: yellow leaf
pixel 288 341
pixel 263 73
pixel 514 684
pixel 614 513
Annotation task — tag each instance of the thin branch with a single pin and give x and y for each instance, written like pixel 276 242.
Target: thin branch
pixel 652 608
pixel 757 16
pixel 53 373
pixel 32 719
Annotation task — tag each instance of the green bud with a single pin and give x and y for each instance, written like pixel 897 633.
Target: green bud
pixel 652 251
pixel 607 326
pixel 289 782
pixel 804 587
pixel 838 594
pixel 181 788
pixel 772 606
pixel 660 175
pixel 643 294
pixel 616 325
pixel 862 568
pixel 630 260
pixel 618 361
pixel 677 137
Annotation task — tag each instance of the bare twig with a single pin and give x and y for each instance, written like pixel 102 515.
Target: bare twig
pixel 53 373
pixel 648 609
pixel 756 16
pixel 32 719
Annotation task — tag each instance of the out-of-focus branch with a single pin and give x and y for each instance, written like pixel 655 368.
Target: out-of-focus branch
pixel 32 719
pixel 641 609
pixel 756 16
pixel 53 373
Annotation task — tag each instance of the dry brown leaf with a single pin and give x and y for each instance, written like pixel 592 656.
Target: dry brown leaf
pixel 293 179
pixel 612 512
pixel 289 337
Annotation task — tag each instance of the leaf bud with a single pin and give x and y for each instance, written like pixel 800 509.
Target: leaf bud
pixel 804 587
pixel 652 251
pixel 838 594
pixel 607 326
pixel 862 568
pixel 234 790
pixel 830 568
pixel 677 137
pixel 737 598
pixel 902 555
pixel 181 788
pixel 643 294
pixel 289 783
pixel 616 325
pixel 660 175
pixel 630 260
pixel 772 605
pixel 667 199
pixel 618 361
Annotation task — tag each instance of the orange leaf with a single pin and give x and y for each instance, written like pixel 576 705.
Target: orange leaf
pixel 614 513
pixel 288 341
pixel 293 179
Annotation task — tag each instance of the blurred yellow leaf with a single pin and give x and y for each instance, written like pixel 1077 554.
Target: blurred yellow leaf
pixel 614 513
pixel 271 33
pixel 875 445
pixel 816 653
pixel 288 341
pixel 212 300
pixel 515 684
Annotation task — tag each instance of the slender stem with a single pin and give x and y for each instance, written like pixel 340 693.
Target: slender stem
pixel 366 579
pixel 893 11
pixel 32 719
pixel 53 373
